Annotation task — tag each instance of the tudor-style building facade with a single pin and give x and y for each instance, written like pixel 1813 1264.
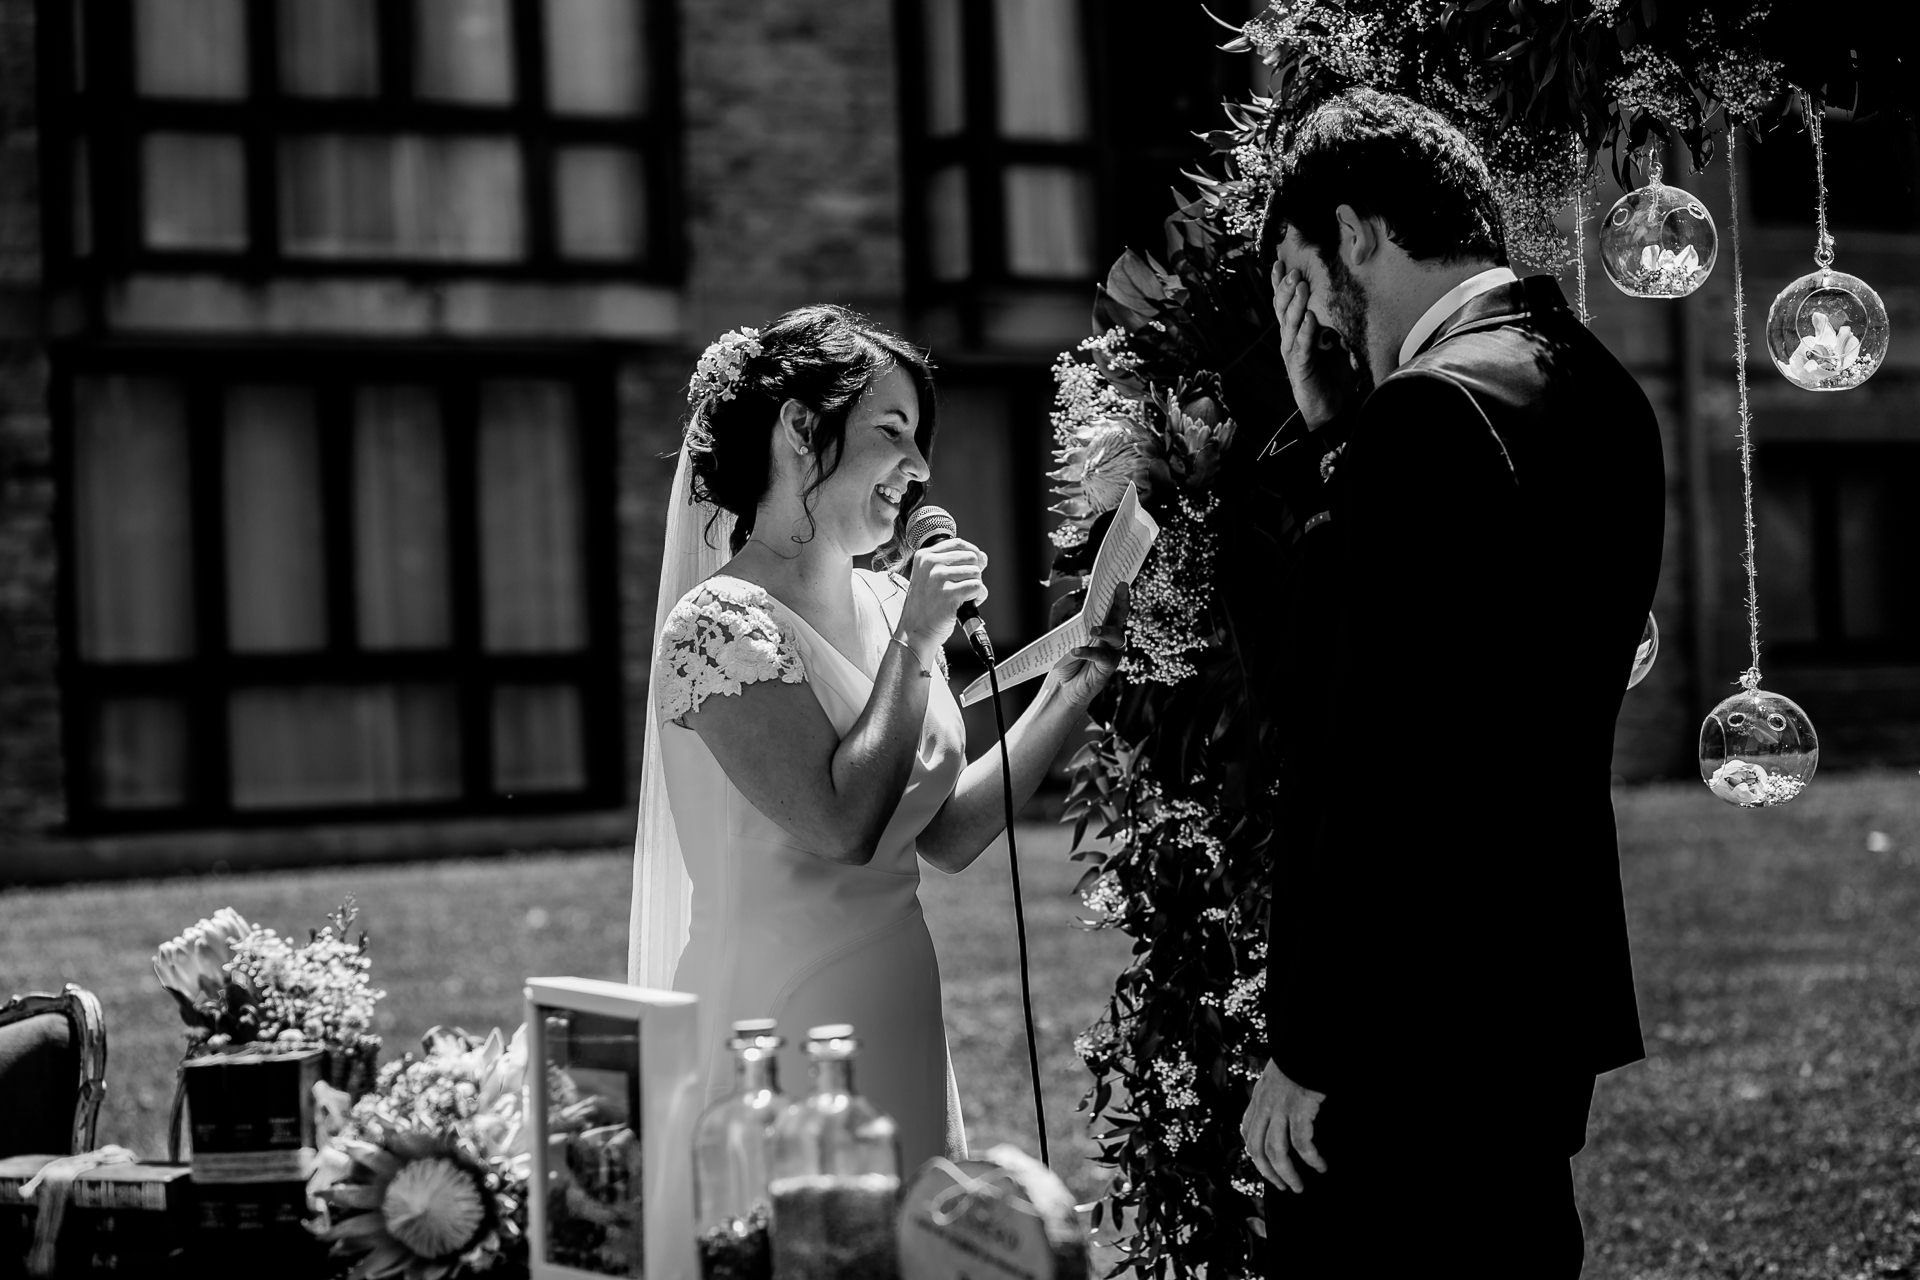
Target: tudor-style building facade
pixel 341 342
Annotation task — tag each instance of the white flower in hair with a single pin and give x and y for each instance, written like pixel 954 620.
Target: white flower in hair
pixel 722 363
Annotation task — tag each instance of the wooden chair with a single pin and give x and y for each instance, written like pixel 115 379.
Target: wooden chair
pixel 53 1072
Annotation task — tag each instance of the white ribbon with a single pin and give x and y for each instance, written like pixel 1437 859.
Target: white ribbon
pixel 51 1188
pixel 947 1207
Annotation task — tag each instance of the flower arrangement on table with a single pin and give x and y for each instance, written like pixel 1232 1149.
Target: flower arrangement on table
pixel 425 1177
pixel 242 986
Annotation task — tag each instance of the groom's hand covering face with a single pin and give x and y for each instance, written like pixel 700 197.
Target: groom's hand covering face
pixel 1319 365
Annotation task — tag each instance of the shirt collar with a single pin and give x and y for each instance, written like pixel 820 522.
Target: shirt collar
pixel 1451 301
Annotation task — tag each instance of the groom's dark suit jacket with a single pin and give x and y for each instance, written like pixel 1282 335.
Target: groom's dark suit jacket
pixel 1446 896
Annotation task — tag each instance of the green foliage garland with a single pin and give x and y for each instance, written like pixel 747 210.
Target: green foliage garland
pixel 1166 801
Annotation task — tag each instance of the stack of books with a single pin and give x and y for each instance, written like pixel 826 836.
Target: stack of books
pixel 120 1219
pixel 252 1122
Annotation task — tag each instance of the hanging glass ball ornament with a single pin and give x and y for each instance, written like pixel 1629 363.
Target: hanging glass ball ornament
pixel 1658 241
pixel 1827 331
pixel 1757 749
pixel 1643 656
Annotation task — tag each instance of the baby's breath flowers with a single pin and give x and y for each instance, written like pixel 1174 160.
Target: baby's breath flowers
pixel 1173 597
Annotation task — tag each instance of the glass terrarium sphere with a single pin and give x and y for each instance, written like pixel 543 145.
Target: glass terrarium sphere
pixel 1758 749
pixel 1827 331
pixel 1658 242
pixel 1643 656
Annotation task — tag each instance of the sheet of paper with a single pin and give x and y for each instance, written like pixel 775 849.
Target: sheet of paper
pixel 1122 551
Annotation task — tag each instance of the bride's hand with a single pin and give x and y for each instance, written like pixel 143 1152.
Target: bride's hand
pixel 1083 673
pixel 945 576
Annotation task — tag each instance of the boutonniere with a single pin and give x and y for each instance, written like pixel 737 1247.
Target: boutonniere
pixel 1327 460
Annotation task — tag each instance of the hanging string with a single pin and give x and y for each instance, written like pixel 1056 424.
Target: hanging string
pixel 1751 680
pixel 1823 241
pixel 1580 255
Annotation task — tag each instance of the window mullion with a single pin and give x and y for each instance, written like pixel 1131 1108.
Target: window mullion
pixel 460 411
pixel 530 112
pixel 259 133
pixel 597 396
pixel 1828 613
pixel 986 216
pixel 910 73
pixel 334 421
pixel 209 784
pixel 115 148
pixel 54 27
pixel 1101 154
pixel 395 34
pixel 660 132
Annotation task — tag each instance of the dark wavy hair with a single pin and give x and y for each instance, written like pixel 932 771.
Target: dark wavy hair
pixel 1394 159
pixel 825 357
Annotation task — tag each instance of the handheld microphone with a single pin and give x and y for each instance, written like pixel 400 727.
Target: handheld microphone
pixel 929 527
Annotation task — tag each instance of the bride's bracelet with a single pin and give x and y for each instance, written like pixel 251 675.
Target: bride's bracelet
pixel 901 641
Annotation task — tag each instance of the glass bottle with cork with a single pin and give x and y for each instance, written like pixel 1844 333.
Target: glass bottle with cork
pixel 730 1205
pixel 835 1174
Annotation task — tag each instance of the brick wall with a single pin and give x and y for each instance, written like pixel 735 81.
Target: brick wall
pixel 791 157
pixel 31 798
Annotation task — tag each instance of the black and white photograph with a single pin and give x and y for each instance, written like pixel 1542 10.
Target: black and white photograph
pixel 939 639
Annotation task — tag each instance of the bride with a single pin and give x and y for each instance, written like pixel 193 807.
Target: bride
pixel 803 749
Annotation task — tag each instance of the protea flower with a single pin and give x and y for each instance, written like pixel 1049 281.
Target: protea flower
pixel 1824 353
pixel 1113 460
pixel 193 966
pixel 1099 463
pixel 418 1206
pixel 1204 432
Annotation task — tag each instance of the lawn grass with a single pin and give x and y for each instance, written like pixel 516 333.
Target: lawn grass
pixel 1774 1129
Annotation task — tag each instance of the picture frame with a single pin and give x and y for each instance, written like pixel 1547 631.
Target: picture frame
pixel 613 1093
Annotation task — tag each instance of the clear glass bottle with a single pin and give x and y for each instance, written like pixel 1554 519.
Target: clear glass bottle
pixel 835 1174
pixel 730 1202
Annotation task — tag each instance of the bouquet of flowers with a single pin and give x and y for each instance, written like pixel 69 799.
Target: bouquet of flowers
pixel 238 984
pixel 426 1176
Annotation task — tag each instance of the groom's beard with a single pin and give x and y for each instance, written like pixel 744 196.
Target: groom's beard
pixel 1347 309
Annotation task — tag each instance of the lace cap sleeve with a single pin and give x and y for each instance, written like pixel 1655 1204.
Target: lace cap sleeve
pixel 719 639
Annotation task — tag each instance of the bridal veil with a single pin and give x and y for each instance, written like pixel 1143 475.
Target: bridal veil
pixel 662 891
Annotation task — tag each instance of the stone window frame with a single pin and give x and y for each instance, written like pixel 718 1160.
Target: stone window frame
pixel 105 122
pixel 206 679
pixel 984 155
pixel 1819 467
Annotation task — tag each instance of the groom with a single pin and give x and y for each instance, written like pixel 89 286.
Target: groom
pixel 1448 957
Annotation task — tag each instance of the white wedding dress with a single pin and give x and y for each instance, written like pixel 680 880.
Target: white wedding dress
pixel 781 932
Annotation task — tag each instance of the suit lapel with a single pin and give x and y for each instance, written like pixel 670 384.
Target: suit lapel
pixel 1507 304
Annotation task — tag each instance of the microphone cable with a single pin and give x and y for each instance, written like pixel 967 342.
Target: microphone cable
pixel 983 647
